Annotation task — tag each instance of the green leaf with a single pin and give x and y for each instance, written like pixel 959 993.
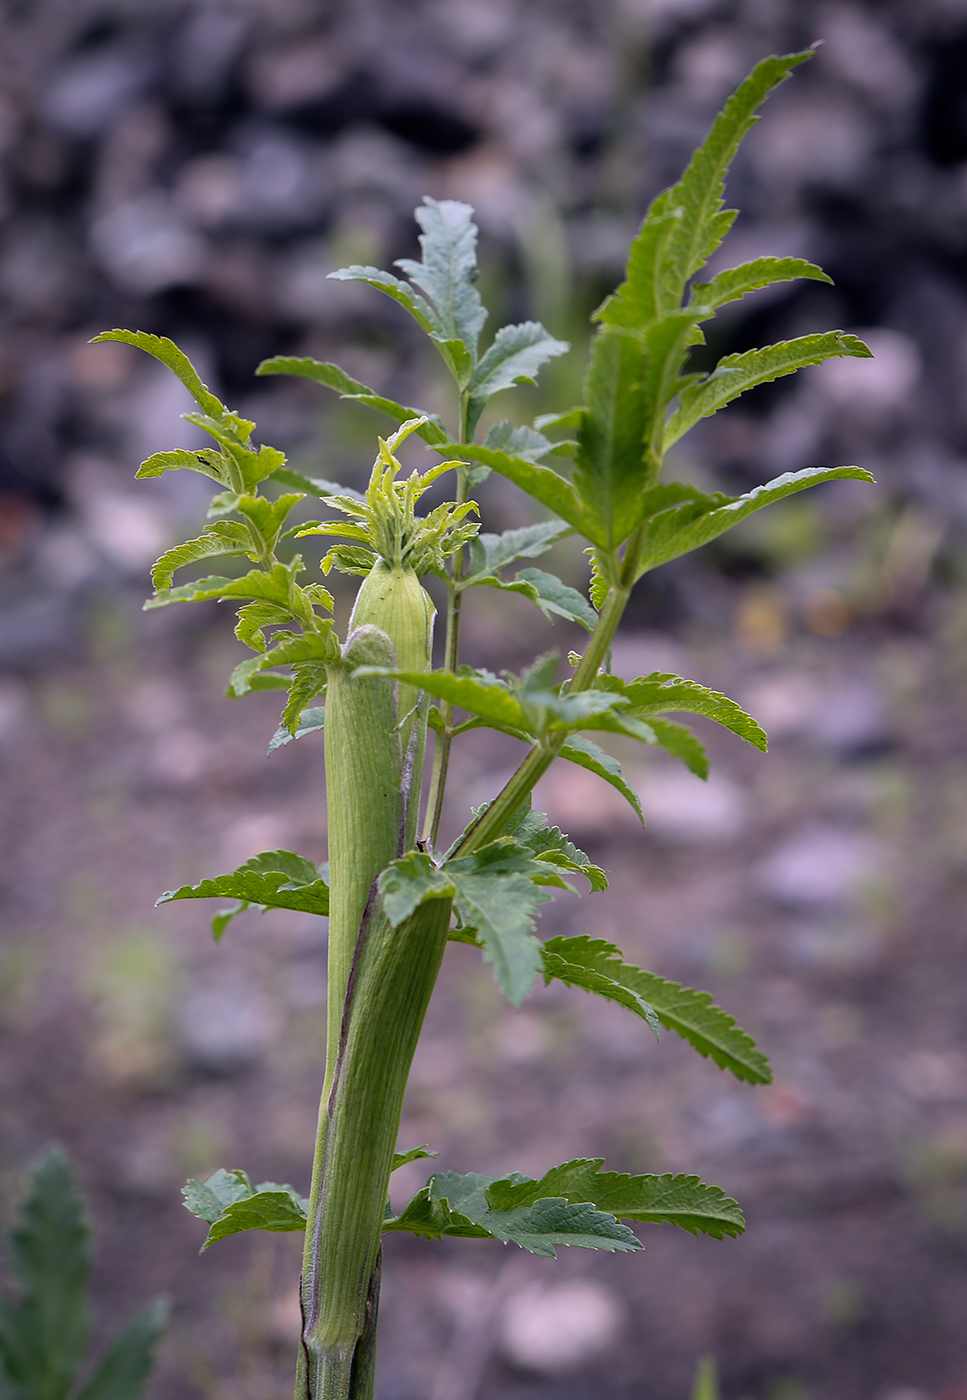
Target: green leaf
pixel 458 1205
pixel 448 271
pixel 679 741
pixel 490 553
pixel 737 282
pixel 270 1207
pixel 548 843
pixel 432 430
pixel 519 442
pixel 691 1014
pixel 515 356
pixel 224 537
pixel 208 1199
pixel 588 755
pixel 395 288
pixel 495 895
pixel 483 695
pixel 273 585
pixel 254 618
pixel 664 693
pixel 43 1335
pixel 122 1372
pixel 682 518
pixel 311 722
pixel 206 461
pixel 676 1200
pixel 701 189
pixel 408 882
pixel 177 361
pixel 555 597
pixel 309 679
pixel 542 483
pixel 316 485
pixel 271 880
pixel 400 1159
pixel 589 979
pixel 734 374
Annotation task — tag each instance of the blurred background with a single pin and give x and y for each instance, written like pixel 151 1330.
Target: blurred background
pixel 194 168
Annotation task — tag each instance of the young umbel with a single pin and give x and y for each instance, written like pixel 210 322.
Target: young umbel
pixel 393 898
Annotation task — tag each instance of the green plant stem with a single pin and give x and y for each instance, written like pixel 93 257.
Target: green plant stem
pixel 393 977
pixel 444 737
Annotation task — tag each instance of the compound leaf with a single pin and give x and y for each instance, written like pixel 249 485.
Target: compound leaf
pixel 496 896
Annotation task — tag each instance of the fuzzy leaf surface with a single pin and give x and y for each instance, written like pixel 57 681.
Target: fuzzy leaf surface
pixel 176 360
pixel 311 722
pixel 692 1015
pixel 519 442
pixel 447 273
pixel 229 1204
pixel 542 483
pixel 734 374
pixel 662 693
pixel 555 597
pixel 491 553
pixel 224 537
pixel 393 287
pixel 679 741
pixel 515 356
pixel 737 282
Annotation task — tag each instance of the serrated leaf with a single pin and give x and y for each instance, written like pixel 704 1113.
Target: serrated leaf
pixel 548 843
pixel 700 191
pixel 679 741
pixel 555 597
pixel 662 693
pixel 208 1199
pixel 271 880
pixel 737 282
pixel 273 585
pixel 278 1210
pixel 393 287
pixel 308 680
pixel 684 519
pixel 315 485
pixel 587 754
pixel 734 374
pixel 122 1372
pixel 497 897
pixel 448 271
pixel 224 537
pixel 253 618
pixel 400 1159
pixel 431 430
pixel 692 1015
pixel 676 1200
pixel 515 356
pixel 206 461
pixel 44 1333
pixel 311 722
pixel 589 979
pixel 177 361
pixel 408 882
pixel 519 442
pixel 491 553
pixel 457 1205
pixel 542 483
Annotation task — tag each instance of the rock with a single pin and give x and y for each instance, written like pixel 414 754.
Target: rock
pixel 820 866
pixel 554 1328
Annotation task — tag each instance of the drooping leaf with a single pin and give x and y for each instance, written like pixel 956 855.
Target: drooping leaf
pixel 393 287
pixel 679 741
pixel 309 680
pixel 542 483
pixel 432 430
pixel 447 273
pixel 176 360
pixel 737 282
pixel 496 895
pixel 676 1200
pixel 44 1333
pixel 400 1159
pixel 457 1205
pixel 734 374
pixel 685 518
pixel 691 1014
pixel 311 722
pixel 122 1372
pixel 208 1199
pixel 586 754
pixel 270 1207
pixel 515 356
pixel 589 979
pixel 271 880
pixel 273 585
pixel 555 597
